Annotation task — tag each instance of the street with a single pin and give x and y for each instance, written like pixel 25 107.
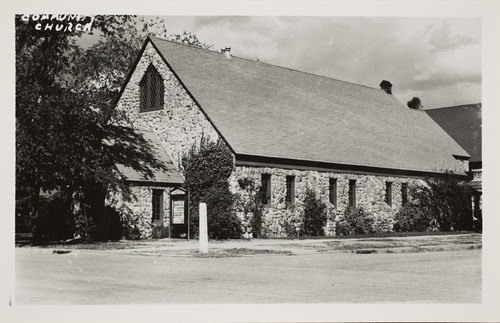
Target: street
pixel 104 277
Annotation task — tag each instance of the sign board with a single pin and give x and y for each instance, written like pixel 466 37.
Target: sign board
pixel 178 214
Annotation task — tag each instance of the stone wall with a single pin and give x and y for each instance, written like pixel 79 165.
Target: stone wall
pixel 281 219
pixel 180 124
pixel 134 205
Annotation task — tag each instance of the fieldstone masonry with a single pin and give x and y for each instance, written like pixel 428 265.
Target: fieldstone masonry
pixel 278 219
pixel 181 124
pixel 135 207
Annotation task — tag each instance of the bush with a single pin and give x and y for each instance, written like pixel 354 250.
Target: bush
pixel 254 204
pixel 222 221
pixel 206 172
pixel 412 218
pixel 315 214
pixel 131 229
pixel 159 232
pixel 354 221
pixel 448 201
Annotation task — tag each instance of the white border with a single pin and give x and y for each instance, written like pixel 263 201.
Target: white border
pixel 487 311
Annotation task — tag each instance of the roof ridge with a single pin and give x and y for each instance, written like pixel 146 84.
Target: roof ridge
pixel 455 106
pixel 269 64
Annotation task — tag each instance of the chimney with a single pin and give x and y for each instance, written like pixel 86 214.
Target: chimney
pixel 226 51
pixel 386 86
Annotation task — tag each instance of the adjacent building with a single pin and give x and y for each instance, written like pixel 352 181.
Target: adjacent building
pixel 464 124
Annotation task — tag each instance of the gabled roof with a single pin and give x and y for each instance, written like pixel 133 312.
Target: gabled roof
pixel 270 111
pixel 462 123
pixel 139 157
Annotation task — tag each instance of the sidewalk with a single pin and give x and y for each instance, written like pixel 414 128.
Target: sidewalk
pixel 241 247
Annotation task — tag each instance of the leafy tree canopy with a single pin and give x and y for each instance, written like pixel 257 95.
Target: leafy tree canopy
pixel 415 103
pixel 65 95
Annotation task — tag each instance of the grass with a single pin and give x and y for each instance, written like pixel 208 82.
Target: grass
pixel 377 235
pixel 238 252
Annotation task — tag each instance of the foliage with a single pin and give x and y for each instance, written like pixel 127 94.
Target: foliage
pixel 315 214
pixel 412 218
pixel 206 172
pixel 354 221
pixel 293 225
pixel 254 204
pixel 448 201
pixel 478 223
pixel 159 232
pixel 65 95
pixel 415 103
pixel 131 229
pixel 223 223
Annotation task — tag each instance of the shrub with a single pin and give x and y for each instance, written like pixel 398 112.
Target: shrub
pixel 448 201
pixel 222 221
pixel 293 225
pixel 131 229
pixel 412 218
pixel 253 204
pixel 206 172
pixel 354 221
pixel 159 232
pixel 315 214
pixel 478 222
pixel 84 226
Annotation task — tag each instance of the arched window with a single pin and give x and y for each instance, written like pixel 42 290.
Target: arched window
pixel 152 91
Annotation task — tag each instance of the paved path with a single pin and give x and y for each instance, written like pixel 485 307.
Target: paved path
pixel 102 277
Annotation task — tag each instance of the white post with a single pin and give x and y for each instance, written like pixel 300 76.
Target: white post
pixel 203 228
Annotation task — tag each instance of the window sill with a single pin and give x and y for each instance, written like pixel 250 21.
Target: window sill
pixel 148 111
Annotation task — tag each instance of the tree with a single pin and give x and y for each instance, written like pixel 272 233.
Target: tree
pixel 41 56
pixel 206 172
pixel 65 96
pixel 415 103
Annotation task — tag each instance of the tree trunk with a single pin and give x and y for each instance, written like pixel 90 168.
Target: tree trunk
pixel 35 215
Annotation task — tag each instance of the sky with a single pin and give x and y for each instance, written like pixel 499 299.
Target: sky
pixel 437 59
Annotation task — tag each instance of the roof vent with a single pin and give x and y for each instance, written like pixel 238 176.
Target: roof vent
pixel 386 86
pixel 226 51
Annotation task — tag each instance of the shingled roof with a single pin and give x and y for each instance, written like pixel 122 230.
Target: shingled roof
pixel 462 123
pixel 271 111
pixel 139 157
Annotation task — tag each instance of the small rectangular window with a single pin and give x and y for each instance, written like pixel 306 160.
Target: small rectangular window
pixel 388 193
pixel 266 189
pixel 404 193
pixel 352 193
pixel 332 191
pixel 157 205
pixel 290 189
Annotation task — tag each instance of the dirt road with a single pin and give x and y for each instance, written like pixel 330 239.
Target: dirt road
pixel 99 277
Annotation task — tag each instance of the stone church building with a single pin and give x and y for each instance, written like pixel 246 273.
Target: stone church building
pixel 288 130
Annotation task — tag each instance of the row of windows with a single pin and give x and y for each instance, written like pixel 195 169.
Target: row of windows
pixel 332 191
